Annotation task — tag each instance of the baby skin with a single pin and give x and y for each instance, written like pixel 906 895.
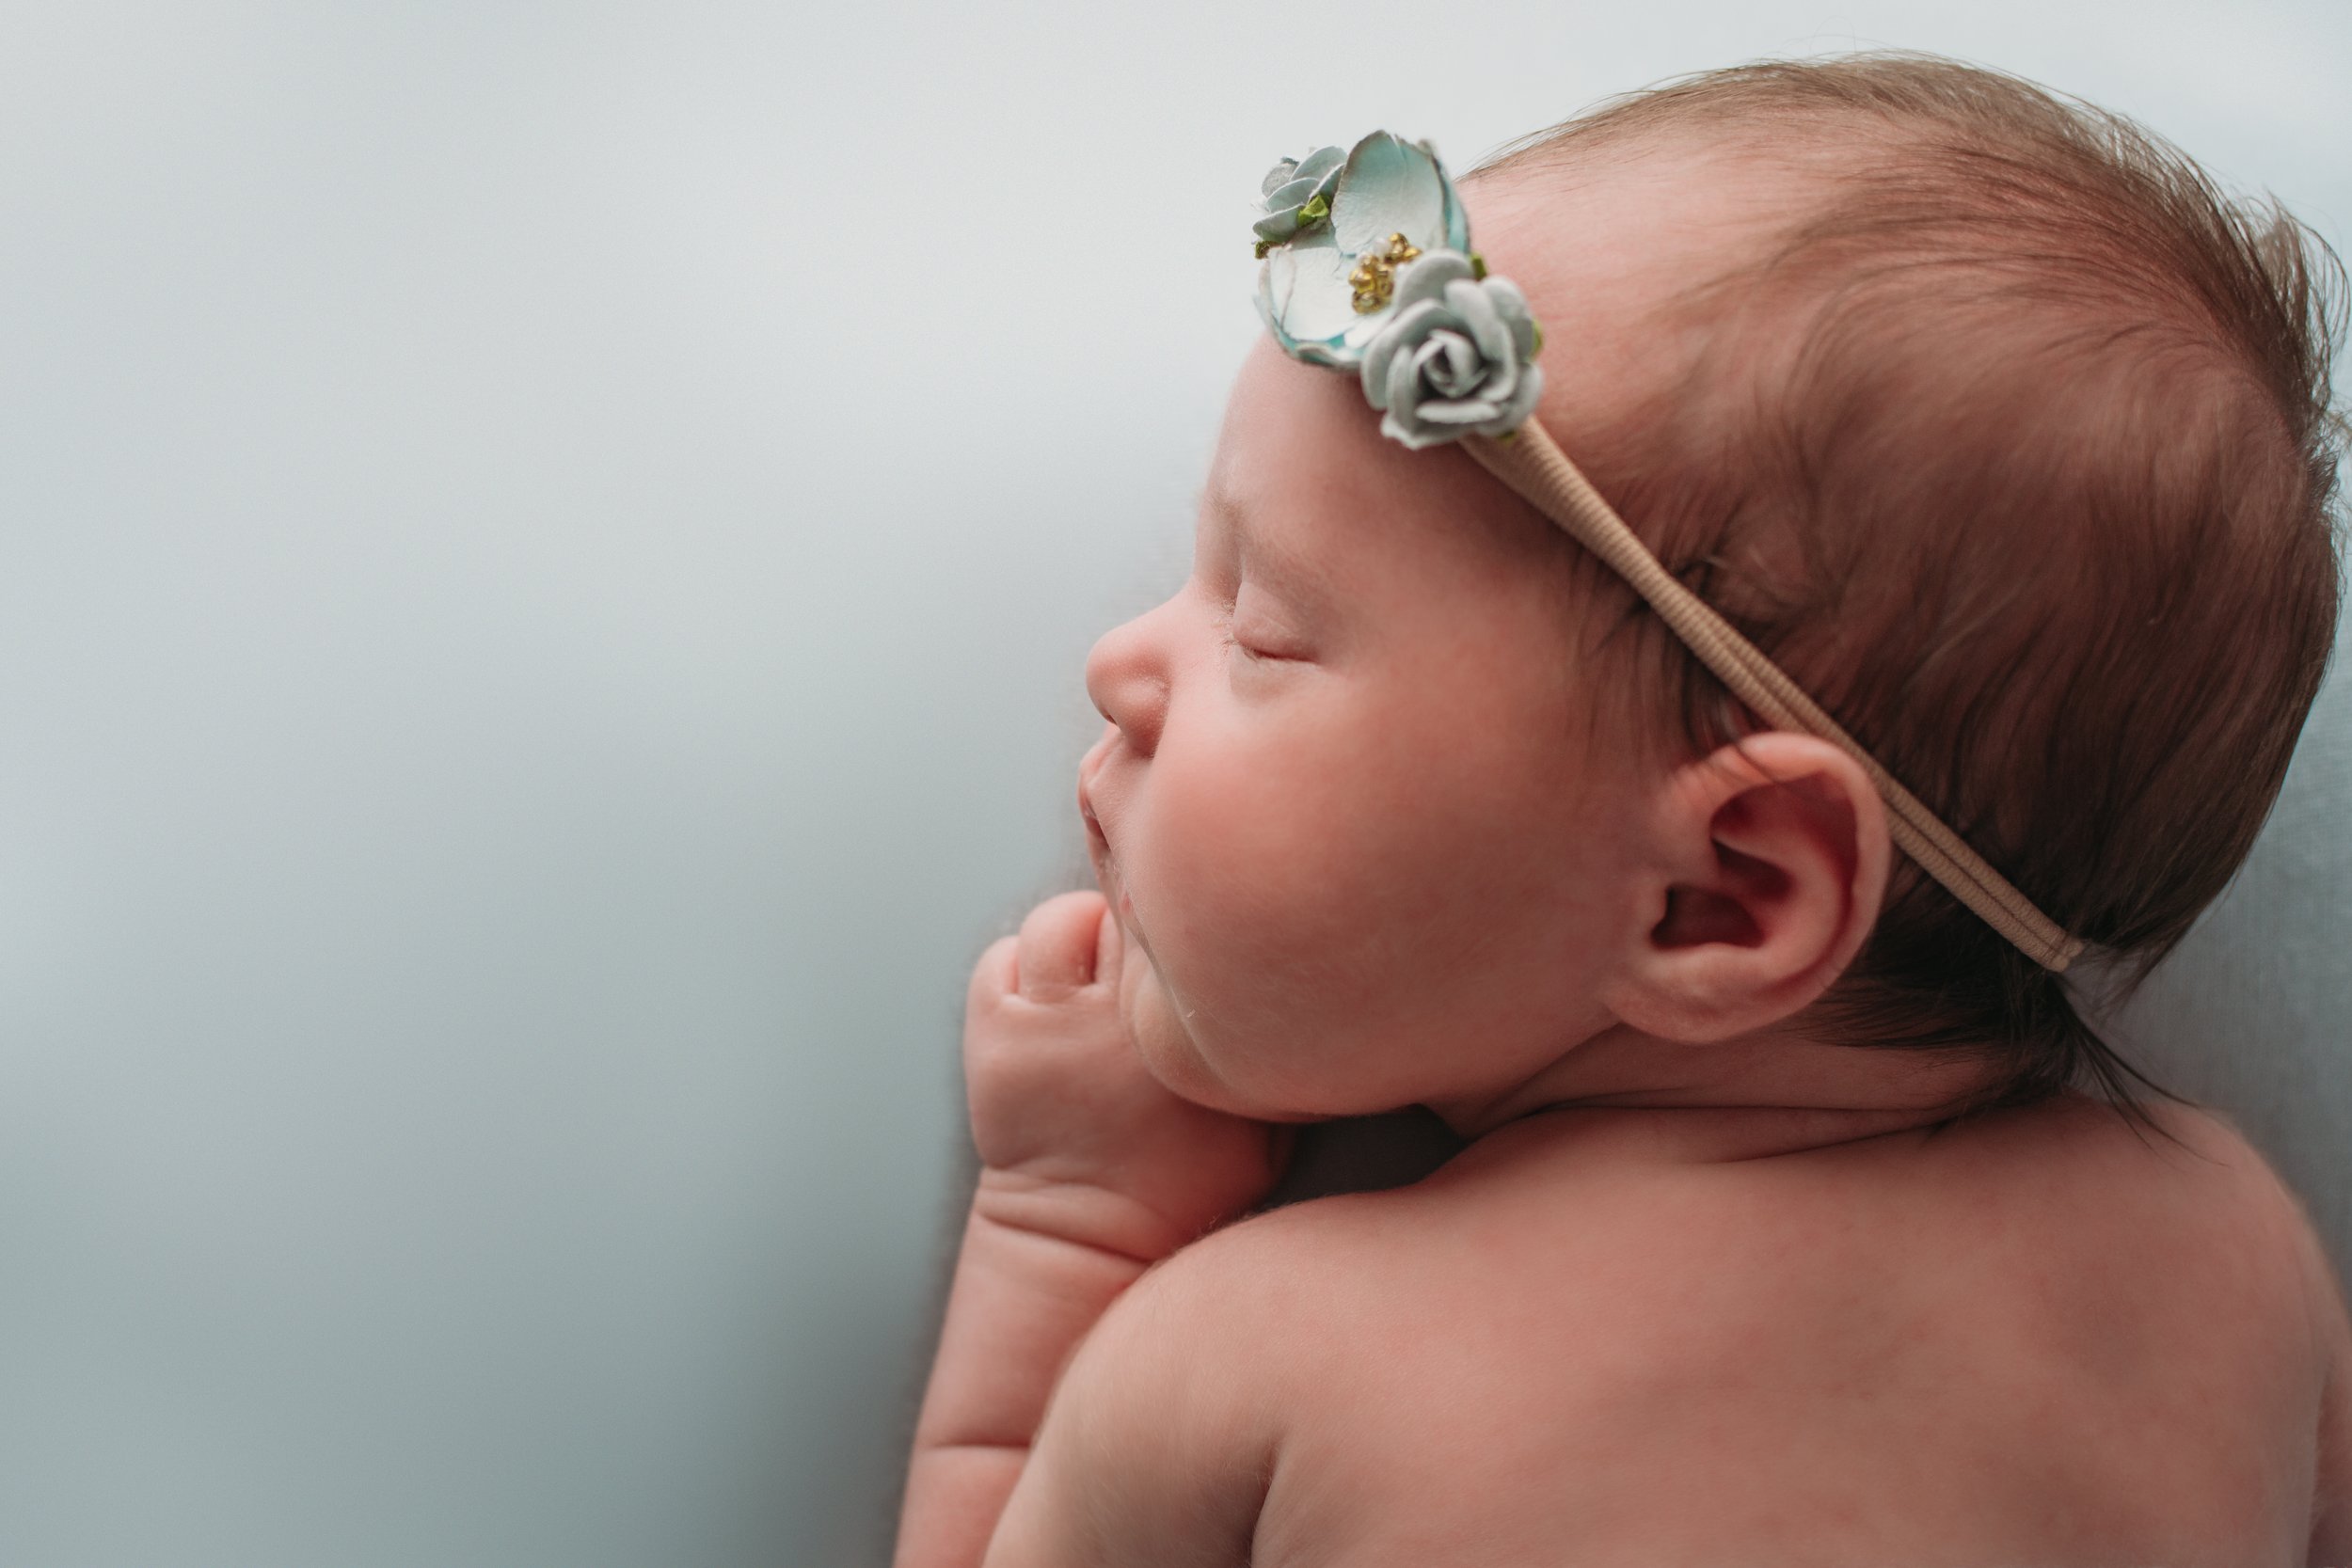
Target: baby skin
pixel 1702 1288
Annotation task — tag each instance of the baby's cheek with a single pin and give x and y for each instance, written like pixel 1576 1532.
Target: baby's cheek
pixel 1266 858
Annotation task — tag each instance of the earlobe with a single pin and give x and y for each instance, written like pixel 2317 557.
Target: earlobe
pixel 1770 863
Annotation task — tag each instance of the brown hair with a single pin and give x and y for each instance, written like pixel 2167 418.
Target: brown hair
pixel 2036 482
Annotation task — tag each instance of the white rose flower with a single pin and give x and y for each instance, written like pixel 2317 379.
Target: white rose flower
pixel 1453 358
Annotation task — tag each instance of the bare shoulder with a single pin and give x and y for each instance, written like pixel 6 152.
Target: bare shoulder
pixel 1239 1315
pixel 1270 1289
pixel 2281 1248
pixel 1160 1442
pixel 2190 1189
pixel 2065 1199
pixel 2072 1209
pixel 2040 1303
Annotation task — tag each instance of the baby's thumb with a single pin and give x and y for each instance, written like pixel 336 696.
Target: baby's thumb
pixel 1061 945
pixel 1110 949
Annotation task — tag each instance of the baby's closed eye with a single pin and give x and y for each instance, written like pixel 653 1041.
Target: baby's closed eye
pixel 1260 633
pixel 1253 644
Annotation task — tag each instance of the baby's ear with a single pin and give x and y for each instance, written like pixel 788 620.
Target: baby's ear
pixel 1768 864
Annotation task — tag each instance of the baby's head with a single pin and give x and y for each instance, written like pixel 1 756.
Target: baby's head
pixel 1981 416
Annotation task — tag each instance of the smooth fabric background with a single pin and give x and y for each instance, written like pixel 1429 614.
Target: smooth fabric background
pixel 546 553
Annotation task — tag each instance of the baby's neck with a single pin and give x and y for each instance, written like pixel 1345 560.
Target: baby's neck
pixel 1823 1087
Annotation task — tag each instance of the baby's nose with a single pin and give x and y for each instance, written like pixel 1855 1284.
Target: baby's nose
pixel 1127 680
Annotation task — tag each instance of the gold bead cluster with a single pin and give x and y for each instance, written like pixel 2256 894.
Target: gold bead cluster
pixel 1375 278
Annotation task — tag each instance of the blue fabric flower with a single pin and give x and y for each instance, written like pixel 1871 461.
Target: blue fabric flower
pixel 1452 356
pixel 1296 195
pixel 1386 188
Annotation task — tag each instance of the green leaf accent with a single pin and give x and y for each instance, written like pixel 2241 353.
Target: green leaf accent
pixel 1315 211
pixel 1478 265
pixel 1262 247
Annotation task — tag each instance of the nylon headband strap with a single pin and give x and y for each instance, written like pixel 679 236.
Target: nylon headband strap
pixel 1530 462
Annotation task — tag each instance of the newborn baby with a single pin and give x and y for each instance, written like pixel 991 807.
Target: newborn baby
pixel 1802 1219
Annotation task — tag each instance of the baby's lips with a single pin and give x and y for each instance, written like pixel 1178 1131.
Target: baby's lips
pixel 1096 838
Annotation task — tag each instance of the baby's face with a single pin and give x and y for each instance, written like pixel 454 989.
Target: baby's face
pixel 1350 814
pixel 1366 842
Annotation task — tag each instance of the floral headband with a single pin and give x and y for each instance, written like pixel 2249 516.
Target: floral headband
pixel 1368 268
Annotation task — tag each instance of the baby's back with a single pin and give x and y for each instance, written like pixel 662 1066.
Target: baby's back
pixel 2030 1339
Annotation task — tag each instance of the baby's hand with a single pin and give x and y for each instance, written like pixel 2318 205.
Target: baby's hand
pixel 1076 1139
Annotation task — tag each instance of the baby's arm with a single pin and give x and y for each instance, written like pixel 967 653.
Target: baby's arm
pixel 1091 1172
pixel 1159 1447
pixel 2331 1521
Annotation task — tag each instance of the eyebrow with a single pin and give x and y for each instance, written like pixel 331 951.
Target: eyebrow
pixel 1287 566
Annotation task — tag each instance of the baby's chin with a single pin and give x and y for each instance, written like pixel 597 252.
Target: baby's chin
pixel 1155 1021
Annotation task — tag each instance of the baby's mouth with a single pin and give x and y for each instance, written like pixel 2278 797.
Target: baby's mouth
pixel 1098 842
pixel 1107 873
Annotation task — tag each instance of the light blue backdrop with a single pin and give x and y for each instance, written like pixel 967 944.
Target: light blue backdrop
pixel 544 556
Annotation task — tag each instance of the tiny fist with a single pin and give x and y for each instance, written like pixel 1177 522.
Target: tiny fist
pixel 1058 945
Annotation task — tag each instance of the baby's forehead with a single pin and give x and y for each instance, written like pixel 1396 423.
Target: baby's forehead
pixel 1661 210
pixel 1306 494
pixel 1615 248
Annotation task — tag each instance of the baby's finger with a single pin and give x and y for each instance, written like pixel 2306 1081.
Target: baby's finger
pixel 1110 949
pixel 994 974
pixel 1057 946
